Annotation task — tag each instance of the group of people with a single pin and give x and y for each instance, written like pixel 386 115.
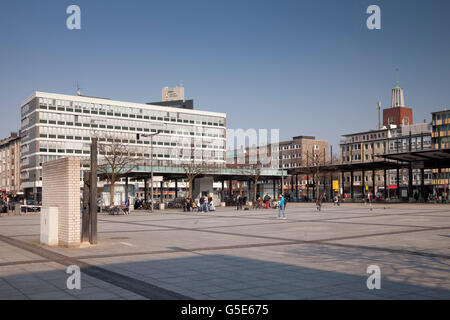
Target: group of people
pixel 260 202
pixel 442 198
pixel 205 204
pixel 266 202
pixel 240 201
pixel 337 199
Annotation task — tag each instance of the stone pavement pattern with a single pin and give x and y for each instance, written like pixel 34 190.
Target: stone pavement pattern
pixel 239 255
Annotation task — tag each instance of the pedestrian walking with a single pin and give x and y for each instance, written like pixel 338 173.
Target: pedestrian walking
pixel 239 202
pixel 205 204
pixel 318 204
pixel 267 201
pixel 282 207
pixel 127 206
pixel 211 205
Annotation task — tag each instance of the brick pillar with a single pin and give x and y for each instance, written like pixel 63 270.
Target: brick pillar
pixel 61 188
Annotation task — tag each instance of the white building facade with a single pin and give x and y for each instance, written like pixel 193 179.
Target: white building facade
pixel 55 126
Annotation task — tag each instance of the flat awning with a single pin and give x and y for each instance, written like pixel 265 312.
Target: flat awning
pixel 429 159
pixel 347 167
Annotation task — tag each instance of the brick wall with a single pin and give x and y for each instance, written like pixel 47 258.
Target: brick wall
pixel 61 188
pixel 397 114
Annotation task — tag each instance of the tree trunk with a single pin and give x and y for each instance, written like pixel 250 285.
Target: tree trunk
pixel 317 186
pixel 255 188
pixel 111 193
pixel 191 180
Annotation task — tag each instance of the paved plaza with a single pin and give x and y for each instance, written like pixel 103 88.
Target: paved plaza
pixel 239 255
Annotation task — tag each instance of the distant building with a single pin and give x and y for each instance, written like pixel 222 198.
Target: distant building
pixel 398 114
pixel 441 129
pixel 300 151
pixel 10 165
pixel 398 134
pixel 441 140
pixel 303 151
pixel 174 97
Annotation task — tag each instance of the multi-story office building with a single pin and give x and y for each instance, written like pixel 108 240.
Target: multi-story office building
pixel 57 125
pixel 301 151
pixel 298 152
pixel 10 165
pixel 366 146
pixel 441 129
pixel 441 140
pixel 398 134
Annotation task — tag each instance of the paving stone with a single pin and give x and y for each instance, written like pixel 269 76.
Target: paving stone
pixel 340 244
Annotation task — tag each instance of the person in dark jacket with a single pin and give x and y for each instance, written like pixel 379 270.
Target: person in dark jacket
pixel 127 206
pixel 239 202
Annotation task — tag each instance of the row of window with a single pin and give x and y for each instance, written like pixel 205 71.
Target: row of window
pixel 442 128
pixel 111 127
pixel 441 116
pixel 126 141
pixel 291 156
pixel 133 113
pixel 132 154
pixel 392 178
pixel 416 144
pixel 370 136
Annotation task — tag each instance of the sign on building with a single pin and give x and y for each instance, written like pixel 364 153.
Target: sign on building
pixel 336 185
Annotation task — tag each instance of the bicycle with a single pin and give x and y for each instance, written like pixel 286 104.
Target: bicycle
pixel 116 210
pixel 257 205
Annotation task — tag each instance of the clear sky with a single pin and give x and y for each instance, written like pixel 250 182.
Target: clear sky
pixel 306 67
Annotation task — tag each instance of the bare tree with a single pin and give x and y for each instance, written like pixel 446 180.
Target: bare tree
pixel 192 169
pixel 312 160
pixel 254 173
pixel 116 159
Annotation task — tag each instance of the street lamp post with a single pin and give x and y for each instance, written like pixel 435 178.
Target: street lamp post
pixel 151 170
pixel 151 163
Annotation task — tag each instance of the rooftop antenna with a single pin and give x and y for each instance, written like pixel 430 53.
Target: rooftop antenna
pixel 379 117
pixel 77 86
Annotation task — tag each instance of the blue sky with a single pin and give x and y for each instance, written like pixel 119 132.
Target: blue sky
pixel 306 67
